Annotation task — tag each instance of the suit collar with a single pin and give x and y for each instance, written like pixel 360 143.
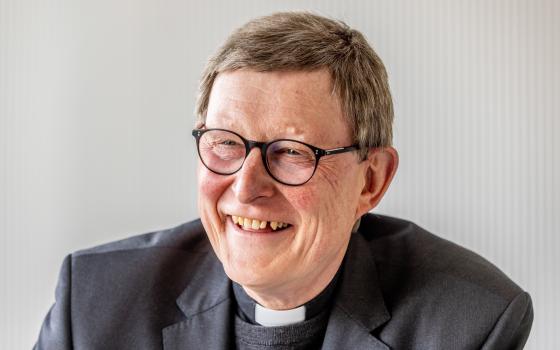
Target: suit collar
pixel 360 294
pixel 208 286
pixel 359 305
pixel 207 305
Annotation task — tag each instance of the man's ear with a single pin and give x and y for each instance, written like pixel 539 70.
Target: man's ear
pixel 381 165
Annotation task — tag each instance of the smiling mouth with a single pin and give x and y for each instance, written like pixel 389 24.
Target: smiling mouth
pixel 251 224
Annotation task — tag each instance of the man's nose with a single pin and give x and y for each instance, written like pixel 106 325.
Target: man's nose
pixel 252 181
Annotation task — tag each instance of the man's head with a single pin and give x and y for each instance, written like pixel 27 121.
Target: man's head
pixel 306 78
pixel 301 41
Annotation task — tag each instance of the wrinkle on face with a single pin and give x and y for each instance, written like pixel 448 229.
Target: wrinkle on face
pixel 328 171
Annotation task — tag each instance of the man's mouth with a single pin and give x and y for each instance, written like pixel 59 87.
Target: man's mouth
pixel 258 225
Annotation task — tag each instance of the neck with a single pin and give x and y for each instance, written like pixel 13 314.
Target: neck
pixel 252 312
pixel 297 293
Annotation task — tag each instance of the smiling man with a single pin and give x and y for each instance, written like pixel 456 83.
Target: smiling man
pixel 316 201
pixel 294 140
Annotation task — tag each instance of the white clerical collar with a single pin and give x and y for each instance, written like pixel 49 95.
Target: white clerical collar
pixel 275 318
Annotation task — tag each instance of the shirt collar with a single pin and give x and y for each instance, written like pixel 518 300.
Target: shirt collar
pixel 250 311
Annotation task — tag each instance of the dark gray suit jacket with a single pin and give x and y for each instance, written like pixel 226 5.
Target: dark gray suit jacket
pixel 401 288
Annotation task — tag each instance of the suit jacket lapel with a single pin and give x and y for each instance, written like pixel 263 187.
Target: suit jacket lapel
pixel 359 307
pixel 207 305
pixel 344 333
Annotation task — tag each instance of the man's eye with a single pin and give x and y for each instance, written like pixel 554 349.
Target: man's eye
pixel 293 152
pixel 289 152
pixel 227 143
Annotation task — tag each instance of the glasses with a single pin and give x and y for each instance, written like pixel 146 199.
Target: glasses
pixel 289 162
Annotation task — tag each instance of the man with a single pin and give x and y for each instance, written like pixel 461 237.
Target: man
pixel 294 140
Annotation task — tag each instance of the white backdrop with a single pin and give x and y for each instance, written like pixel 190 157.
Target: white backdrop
pixel 96 101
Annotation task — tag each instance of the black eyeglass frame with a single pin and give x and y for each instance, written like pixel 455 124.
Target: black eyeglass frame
pixel 263 146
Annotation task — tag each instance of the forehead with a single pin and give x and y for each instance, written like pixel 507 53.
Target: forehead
pixel 268 105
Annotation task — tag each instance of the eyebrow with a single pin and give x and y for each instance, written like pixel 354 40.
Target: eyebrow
pixel 295 133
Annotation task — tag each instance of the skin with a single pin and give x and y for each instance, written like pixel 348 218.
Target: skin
pixel 285 269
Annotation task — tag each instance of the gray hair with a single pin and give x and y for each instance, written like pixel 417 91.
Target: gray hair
pixel 305 41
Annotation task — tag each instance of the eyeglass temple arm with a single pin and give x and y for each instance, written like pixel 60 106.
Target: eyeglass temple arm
pixel 327 152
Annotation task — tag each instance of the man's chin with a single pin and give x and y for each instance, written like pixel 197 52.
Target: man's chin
pixel 252 276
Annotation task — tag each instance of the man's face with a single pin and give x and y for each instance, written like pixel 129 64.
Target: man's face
pixel 264 107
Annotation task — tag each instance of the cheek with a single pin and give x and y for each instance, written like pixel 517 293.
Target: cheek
pixel 302 199
pixel 210 186
pixel 321 190
pixel 211 189
pixel 318 195
pixel 330 201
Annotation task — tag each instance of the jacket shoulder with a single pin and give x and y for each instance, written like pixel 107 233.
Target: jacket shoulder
pixel 189 236
pixel 126 287
pixel 440 294
pixel 415 255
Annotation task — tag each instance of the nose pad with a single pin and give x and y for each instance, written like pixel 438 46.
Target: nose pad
pixel 252 180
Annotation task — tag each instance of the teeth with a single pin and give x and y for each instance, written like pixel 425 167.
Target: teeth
pixel 256 224
pixel 246 223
